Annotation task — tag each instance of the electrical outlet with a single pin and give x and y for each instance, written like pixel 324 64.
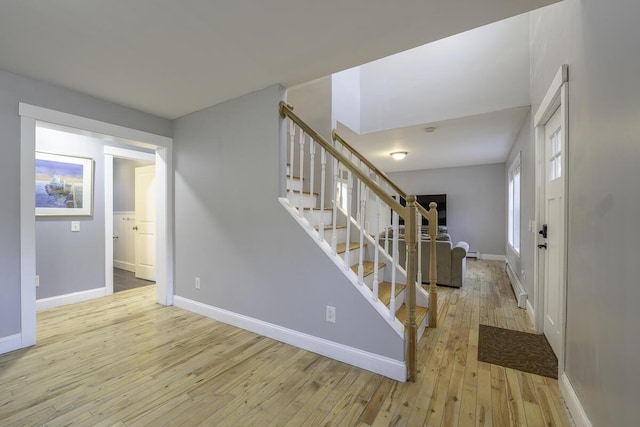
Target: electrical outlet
pixel 523 274
pixel 75 226
pixel 37 281
pixel 331 314
pixel 197 283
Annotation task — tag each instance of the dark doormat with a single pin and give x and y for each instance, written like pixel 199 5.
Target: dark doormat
pixel 517 350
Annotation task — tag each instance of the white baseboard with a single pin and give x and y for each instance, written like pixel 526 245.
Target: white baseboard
pixel 10 343
pixel 516 285
pixel 394 369
pixel 492 257
pixel 573 403
pixel 531 312
pixel 123 265
pixel 66 299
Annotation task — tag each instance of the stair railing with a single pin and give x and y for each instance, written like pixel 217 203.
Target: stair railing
pixel 431 216
pixel 365 185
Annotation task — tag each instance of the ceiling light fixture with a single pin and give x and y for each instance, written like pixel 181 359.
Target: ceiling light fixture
pixel 399 155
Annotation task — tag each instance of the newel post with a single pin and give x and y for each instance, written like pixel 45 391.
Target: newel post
pixel 410 323
pixel 433 274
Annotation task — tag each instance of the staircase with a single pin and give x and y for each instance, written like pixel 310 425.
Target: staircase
pixel 352 210
pixel 350 251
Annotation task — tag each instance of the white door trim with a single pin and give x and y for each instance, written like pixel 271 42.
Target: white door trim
pixel 556 97
pixel 163 146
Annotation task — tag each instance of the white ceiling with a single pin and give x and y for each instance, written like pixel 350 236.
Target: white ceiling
pixel 170 57
pixel 473 87
pixel 475 72
pixel 474 140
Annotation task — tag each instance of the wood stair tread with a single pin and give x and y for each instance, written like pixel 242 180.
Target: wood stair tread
pixel 304 192
pixel 421 312
pixel 318 209
pixel 342 247
pixel 384 291
pixel 330 227
pixel 295 177
pixel 368 267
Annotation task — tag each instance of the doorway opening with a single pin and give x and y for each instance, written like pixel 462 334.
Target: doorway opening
pixel 157 149
pixel 133 256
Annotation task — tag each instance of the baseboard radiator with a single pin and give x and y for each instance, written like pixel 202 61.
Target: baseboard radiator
pixel 518 289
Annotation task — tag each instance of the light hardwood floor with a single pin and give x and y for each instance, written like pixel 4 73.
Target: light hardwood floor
pixel 124 360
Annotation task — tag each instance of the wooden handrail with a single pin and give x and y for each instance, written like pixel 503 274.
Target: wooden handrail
pixel 396 188
pixel 286 110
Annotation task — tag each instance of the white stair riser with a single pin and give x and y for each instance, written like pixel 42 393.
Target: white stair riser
pixel 354 256
pixel 368 280
pixel 294 184
pixel 400 299
pixel 308 200
pixel 341 235
pixel 422 326
pixel 314 216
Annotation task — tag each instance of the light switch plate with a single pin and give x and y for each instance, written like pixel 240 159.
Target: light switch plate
pixel 75 225
pixel 331 314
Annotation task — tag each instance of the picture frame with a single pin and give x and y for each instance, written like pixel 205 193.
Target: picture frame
pixel 63 185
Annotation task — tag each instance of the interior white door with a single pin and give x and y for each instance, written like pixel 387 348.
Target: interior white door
pixel 555 151
pixel 145 223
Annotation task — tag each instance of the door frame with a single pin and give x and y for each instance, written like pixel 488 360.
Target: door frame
pixel 30 115
pixel 556 98
pixel 111 153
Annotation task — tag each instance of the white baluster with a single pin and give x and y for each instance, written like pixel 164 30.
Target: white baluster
pixel 323 162
pixel 300 202
pixel 349 201
pixel 386 230
pixel 358 208
pixel 419 240
pixel 376 254
pixel 312 153
pixel 394 246
pixel 292 143
pixel 362 191
pixel 334 233
pixel 406 247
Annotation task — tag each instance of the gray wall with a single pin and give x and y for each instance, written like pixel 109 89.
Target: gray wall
pixel 124 179
pixel 475 202
pixel 232 232
pixel 15 89
pixel 522 263
pixel 71 261
pixel 312 103
pixel 599 41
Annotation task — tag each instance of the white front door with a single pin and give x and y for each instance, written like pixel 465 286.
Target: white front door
pixel 554 203
pixel 145 224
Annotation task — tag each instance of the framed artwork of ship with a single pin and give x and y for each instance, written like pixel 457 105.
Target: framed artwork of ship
pixel 64 185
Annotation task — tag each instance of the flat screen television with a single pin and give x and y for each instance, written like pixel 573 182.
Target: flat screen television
pixel 441 200
pixel 425 199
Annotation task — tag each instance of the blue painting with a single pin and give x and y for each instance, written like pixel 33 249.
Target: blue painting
pixel 61 184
